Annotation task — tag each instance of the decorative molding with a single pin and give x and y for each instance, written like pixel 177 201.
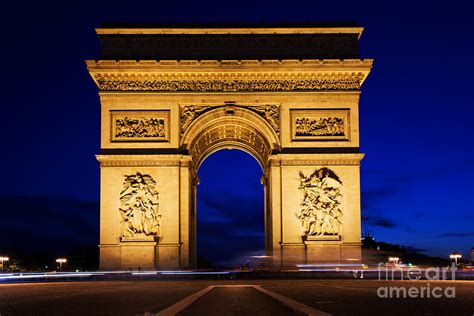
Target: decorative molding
pixel 320 162
pixel 229 75
pixel 321 206
pixel 273 162
pixel 231 30
pixel 139 208
pixel 140 239
pixel 315 159
pixel 316 238
pixel 139 163
pixel 139 126
pixel 186 162
pixel 163 64
pixel 228 85
pixel 141 160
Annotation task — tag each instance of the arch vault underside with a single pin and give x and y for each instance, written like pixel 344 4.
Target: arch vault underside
pixel 161 119
pixel 230 126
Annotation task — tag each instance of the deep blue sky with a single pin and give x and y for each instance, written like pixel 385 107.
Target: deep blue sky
pixel 415 117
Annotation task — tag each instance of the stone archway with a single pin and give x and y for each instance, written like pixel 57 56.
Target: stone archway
pixel 250 128
pixel 294 110
pixel 230 125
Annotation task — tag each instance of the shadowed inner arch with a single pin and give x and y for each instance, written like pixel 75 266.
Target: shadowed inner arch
pixel 229 210
pixel 242 130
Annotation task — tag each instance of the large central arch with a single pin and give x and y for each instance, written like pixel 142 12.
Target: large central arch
pixel 292 105
pixel 230 126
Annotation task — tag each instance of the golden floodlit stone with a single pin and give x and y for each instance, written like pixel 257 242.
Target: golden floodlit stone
pixel 160 118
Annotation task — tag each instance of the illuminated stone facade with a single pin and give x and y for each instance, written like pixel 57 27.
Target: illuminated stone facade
pixel 164 111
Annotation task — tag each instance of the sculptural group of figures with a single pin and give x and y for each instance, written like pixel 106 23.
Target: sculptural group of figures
pixel 321 207
pixel 139 206
pixel 324 126
pixel 139 127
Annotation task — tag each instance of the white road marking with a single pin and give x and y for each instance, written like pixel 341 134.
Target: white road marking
pixel 185 302
pixel 293 304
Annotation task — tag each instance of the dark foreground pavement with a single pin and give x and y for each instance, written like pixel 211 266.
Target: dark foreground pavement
pixel 236 301
pixel 338 297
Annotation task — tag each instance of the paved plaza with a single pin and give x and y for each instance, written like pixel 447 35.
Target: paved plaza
pixel 229 297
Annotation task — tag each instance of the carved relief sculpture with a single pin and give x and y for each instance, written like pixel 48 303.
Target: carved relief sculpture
pixel 139 125
pixel 321 207
pixel 139 206
pixel 322 126
pixel 229 85
pixel 190 112
pixel 270 114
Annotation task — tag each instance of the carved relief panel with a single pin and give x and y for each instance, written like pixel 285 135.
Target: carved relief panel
pixel 320 210
pixel 140 126
pixel 139 206
pixel 320 125
pixel 233 85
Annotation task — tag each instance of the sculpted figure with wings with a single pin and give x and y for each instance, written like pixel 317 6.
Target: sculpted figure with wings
pixel 270 113
pixel 139 206
pixel 321 208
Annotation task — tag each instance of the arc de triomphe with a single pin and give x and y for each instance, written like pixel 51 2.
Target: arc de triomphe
pixel 170 97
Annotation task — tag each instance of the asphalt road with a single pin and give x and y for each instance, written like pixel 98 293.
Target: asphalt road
pixel 236 301
pixel 338 297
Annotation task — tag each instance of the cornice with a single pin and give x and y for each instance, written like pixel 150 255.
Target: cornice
pixel 144 160
pixel 314 159
pixel 229 75
pixel 240 64
pixel 230 30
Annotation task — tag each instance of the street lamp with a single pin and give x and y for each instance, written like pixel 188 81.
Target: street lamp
pixel 3 260
pixel 393 260
pixel 455 256
pixel 61 261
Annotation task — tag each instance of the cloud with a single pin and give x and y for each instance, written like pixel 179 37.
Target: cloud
pixel 372 215
pixel 369 198
pixel 414 249
pixel 457 234
pixel 373 200
pixel 379 220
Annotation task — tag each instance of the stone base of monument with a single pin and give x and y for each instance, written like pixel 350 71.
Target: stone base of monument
pixel 139 253
pixel 142 237
pixel 321 238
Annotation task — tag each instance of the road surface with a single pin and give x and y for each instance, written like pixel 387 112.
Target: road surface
pixel 337 297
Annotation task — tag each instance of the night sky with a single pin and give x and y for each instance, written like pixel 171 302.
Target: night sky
pixel 415 120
